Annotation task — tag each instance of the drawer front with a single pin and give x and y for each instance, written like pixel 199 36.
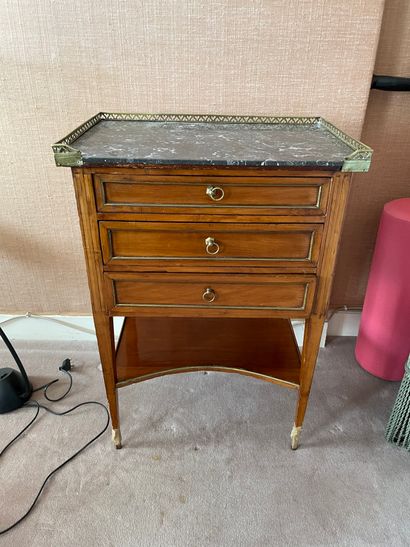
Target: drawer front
pixel 253 244
pixel 213 294
pixel 224 195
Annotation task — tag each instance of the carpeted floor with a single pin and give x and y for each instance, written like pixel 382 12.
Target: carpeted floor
pixel 206 461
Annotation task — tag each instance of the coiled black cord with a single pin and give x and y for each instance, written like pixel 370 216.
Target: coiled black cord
pixel 64 368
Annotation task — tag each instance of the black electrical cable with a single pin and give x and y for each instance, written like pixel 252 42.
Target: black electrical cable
pixel 38 406
pixel 65 367
pixel 21 433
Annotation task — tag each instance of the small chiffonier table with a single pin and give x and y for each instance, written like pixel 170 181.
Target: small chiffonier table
pixel 208 234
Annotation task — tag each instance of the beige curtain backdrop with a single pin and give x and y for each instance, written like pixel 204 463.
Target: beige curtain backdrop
pixel 62 62
pixel 387 131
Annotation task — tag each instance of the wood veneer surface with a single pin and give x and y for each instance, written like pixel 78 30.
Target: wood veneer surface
pixel 153 345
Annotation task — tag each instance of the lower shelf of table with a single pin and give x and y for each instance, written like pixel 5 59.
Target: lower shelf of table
pixel 263 348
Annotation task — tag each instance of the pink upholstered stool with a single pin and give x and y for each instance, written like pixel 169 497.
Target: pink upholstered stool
pixel 383 344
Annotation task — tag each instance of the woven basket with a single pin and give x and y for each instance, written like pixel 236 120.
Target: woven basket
pixel 398 428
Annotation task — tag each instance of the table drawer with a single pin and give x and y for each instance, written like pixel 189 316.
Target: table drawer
pixel 252 244
pixel 224 195
pixel 211 294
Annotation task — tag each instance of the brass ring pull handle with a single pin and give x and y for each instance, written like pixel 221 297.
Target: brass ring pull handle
pixel 212 247
pixel 216 193
pixel 209 295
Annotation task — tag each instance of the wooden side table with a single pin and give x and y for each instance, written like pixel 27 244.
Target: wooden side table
pixel 209 233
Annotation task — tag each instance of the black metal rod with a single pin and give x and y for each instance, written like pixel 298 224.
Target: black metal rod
pixel 16 358
pixel 390 83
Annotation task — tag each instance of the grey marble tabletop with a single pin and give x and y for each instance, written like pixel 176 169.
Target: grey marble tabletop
pixel 119 142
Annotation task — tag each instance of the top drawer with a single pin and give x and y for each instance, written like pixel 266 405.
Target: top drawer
pixel 208 194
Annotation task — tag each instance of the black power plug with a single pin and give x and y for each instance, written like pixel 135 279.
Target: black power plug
pixel 66 366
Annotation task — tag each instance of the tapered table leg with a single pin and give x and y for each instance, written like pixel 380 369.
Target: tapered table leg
pixel 311 345
pixel 105 335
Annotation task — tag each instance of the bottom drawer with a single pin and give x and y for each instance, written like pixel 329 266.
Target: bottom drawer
pixel 211 295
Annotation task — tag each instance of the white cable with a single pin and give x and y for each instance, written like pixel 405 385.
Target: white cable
pixel 53 319
pixel 12 319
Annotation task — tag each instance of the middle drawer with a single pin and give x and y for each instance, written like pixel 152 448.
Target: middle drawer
pixel 127 243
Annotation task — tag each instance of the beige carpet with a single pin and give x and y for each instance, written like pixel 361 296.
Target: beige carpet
pixel 206 461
